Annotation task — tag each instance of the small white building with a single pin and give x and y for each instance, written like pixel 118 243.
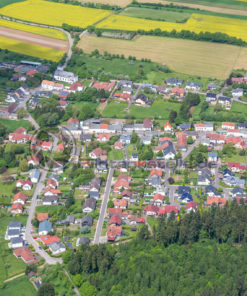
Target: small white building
pixel 65 76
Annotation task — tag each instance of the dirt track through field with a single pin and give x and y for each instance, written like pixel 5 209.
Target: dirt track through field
pixel 202 7
pixel 34 39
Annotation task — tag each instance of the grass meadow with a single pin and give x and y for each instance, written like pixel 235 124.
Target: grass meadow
pixel 184 56
pixel 19 287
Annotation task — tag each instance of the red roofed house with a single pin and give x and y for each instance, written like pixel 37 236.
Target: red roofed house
pixel 51 183
pixel 49 191
pixel 215 200
pixel 151 210
pixel 33 160
pixel 148 124
pixel 140 164
pixel 236 167
pixel 168 209
pixel 239 79
pixel 116 219
pixel 114 211
pixel 182 142
pixel 73 120
pixel 178 92
pixel 228 125
pixel 76 87
pixel 121 184
pixel 16 208
pixel 191 206
pixel 113 232
pixel 21 130
pixel 63 104
pixel 46 146
pixel 120 203
pixel 25 254
pixel 97 153
pixel 19 183
pixel 104 85
pixel 158 199
pixel 155 172
pixel 86 164
pixel 103 138
pixel 61 147
pixel 118 145
pixel 168 128
pixel 19 138
pixel 27 185
pixel 48 239
pixel 42 216
pixel 20 198
pixel 124 177
pixel 31 73
pixel 123 96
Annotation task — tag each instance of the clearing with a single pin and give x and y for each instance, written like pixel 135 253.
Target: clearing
pixel 156 14
pixel 185 56
pixel 34 39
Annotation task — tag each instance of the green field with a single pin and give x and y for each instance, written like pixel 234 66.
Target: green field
pixel 12 125
pixel 191 57
pixel 7 2
pixel 18 287
pixel 159 110
pixel 232 4
pixel 156 14
pixel 9 264
pixel 116 155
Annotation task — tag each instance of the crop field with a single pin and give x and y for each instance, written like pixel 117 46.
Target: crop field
pixel 31 49
pixel 55 14
pixel 185 56
pixel 196 23
pixel 35 30
pixel 155 14
pixel 234 4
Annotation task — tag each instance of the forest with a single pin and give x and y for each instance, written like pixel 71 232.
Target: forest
pixel 201 253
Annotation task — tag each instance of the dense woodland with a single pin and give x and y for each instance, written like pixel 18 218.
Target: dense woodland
pixel 201 253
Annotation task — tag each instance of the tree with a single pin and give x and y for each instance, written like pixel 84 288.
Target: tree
pixel 171 180
pixel 21 113
pixel 23 165
pixel 46 289
pixel 134 138
pixel 85 229
pixel 172 116
pixel 78 280
pixel 160 154
pixel 88 290
pixel 190 140
pixel 110 204
pixel 31 267
pixel 143 233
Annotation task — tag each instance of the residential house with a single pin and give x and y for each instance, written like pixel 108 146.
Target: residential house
pixel 236 167
pixel 82 240
pixel 158 199
pixel 151 210
pixel 34 175
pixel 204 177
pixel 125 139
pixel 212 157
pixel 35 159
pixel 27 185
pixel 185 197
pixel 16 208
pixel 87 220
pixel 191 206
pixel 113 232
pixel 210 190
pixel 174 82
pixel 211 98
pixel 169 151
pixel 215 200
pixel 213 86
pixel 104 85
pixel 20 198
pixel 51 86
pixel 65 76
pixel 16 242
pixel 178 92
pixel 57 248
pixel 146 140
pixel 25 254
pixel 45 227
pixel 76 87
pixel 225 102
pixel 148 124
pixel 168 128
pixel 97 153
pixel 237 93
pixel 116 220
pixel 120 203
pixel 237 192
pixel 184 126
pixel 142 100
pixel 42 216
pixel 193 86
pixel 182 142
pixel 89 205
pixel 168 210
pixel 228 125
pixel 204 127
pixel 50 200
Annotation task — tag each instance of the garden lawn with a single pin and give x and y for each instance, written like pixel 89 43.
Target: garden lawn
pixel 6 190
pixel 19 287
pixel 12 125
pixel 116 155
pixel 9 264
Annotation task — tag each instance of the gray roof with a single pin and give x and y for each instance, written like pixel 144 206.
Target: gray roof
pixel 13 232
pixel 66 74
pixel 16 240
pixel 14 224
pixel 54 247
pixel 89 203
pixel 50 198
pixel 45 226
pixel 83 240
pixel 87 220
pixel 94 194
pixel 70 219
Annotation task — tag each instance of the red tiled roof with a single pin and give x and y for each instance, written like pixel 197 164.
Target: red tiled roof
pixel 191 204
pixel 21 196
pixel 74 120
pixel 156 172
pixel 151 208
pixel 104 85
pixel 228 124
pixel 215 199
pixel 26 254
pixel 158 196
pixel 140 163
pixel 182 140
pixel 42 216
pixel 120 203
pixel 74 86
pixel 61 147
pixel 20 130
pixel 31 72
pixel 48 239
pixel 168 125
pixel 113 211
pixel 113 231
pixel 116 219
pixel 16 206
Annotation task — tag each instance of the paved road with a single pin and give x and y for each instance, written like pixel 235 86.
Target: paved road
pixel 103 207
pixel 239 101
pixel 191 147
pixel 28 234
pixel 132 99
pixel 126 153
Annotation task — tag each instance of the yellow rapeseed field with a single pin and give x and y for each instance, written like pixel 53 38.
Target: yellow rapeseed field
pixel 53 33
pixel 31 49
pixel 55 14
pixel 197 23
